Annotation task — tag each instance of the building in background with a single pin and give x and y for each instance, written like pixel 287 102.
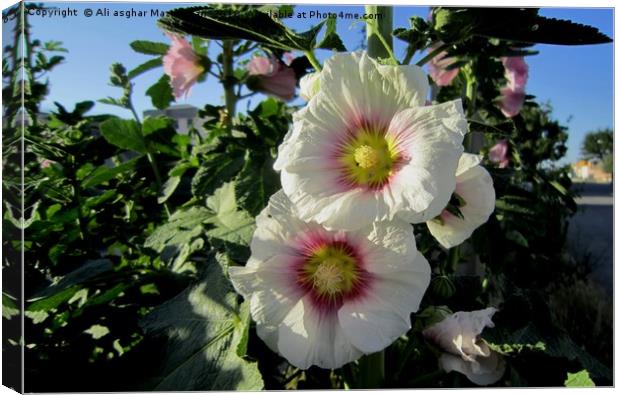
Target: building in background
pixel 592 170
pixel 185 116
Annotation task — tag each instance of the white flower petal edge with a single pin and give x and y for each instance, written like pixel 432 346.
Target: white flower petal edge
pixel 359 97
pixel 459 335
pixel 309 85
pixel 475 185
pixel 296 320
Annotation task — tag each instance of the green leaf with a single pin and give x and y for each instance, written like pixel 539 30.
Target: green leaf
pixel 232 228
pixel 9 308
pixel 177 239
pixel 331 40
pixel 214 170
pixel 104 173
pixel 149 47
pixel 255 184
pixel 124 134
pixel 146 66
pixel 579 379
pixel 87 271
pixel 152 125
pixel 168 189
pixel 204 327
pixel 97 331
pixel 53 301
pixel 161 93
pixel 517 237
pixel 228 23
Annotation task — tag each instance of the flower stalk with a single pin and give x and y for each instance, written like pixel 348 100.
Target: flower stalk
pixel 372 370
pixel 228 82
pixel 379 32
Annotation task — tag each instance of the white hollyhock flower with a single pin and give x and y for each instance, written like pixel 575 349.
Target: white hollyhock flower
pixel 323 297
pixel 466 352
pixel 309 85
pixel 474 197
pixel 366 148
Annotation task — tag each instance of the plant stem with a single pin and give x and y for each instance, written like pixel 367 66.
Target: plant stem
pixel 379 33
pixel 372 370
pixel 313 60
pixel 228 82
pixel 453 258
pixel 432 54
pixel 150 157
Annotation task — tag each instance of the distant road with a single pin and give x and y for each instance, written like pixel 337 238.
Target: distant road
pixel 590 233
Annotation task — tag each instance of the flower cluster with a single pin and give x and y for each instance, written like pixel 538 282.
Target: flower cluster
pixel 513 94
pixel 334 271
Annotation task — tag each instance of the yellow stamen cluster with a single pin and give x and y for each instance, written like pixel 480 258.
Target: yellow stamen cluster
pixel 330 271
pixel 368 159
pixel 328 276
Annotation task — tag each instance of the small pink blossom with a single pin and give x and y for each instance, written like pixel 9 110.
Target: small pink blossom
pixel 513 94
pixel 512 102
pixel 45 163
pixel 182 65
pixel 516 72
pixel 274 77
pixel 438 68
pixel 499 153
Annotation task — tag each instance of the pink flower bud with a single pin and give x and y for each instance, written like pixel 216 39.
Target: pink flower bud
pixel 182 65
pixel 274 77
pixel 499 153
pixel 437 68
pixel 513 94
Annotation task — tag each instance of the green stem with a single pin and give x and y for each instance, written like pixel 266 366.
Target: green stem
pixel 372 370
pixel 313 60
pixel 150 157
pixel 432 54
pixel 228 82
pixel 379 32
pixel 453 258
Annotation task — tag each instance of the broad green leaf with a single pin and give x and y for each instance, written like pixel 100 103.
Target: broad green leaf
pixel 161 93
pixel 149 47
pixel 255 184
pixel 214 170
pixel 204 327
pixel 146 66
pixel 53 301
pixel 227 23
pixel 331 40
pixel 579 379
pixel 152 125
pixel 104 173
pixel 517 237
pixel 232 228
pixel 124 134
pixel 177 239
pixel 168 189
pixel 87 271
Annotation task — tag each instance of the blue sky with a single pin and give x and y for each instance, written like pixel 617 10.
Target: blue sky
pixel 576 80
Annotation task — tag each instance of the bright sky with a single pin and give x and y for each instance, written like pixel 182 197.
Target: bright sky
pixel 576 80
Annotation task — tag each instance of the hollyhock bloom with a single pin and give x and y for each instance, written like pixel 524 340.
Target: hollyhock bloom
pixel 513 94
pixel 437 68
pixel 516 72
pixel 366 148
pixel 182 65
pixel 325 298
pixel 474 197
pixel 499 153
pixel 465 352
pixel 272 77
pixel 309 85
pixel 511 102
